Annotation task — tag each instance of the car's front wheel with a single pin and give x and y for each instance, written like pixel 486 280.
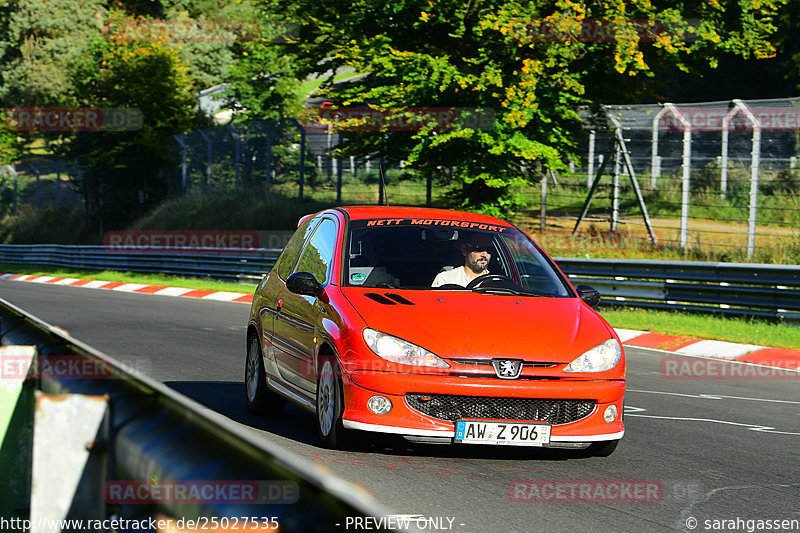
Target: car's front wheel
pixel 330 404
pixel 260 400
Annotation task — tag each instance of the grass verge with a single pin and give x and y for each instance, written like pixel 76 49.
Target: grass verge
pixel 711 327
pixel 746 331
pixel 127 277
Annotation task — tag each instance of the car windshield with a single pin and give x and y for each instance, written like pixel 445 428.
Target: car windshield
pixel 413 254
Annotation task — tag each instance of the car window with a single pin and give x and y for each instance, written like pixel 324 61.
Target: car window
pixel 317 257
pixel 291 252
pixel 533 270
pixel 410 254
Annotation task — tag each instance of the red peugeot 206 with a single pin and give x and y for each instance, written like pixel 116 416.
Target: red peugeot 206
pixel 434 325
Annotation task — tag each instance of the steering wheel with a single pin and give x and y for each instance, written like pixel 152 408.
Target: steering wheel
pixel 485 279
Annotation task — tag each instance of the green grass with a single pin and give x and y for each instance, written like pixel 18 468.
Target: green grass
pixel 778 202
pixel 128 277
pixel 746 331
pixel 307 89
pixel 675 323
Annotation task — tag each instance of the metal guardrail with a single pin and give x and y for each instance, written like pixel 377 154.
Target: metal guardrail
pixel 244 266
pixel 736 289
pixel 156 435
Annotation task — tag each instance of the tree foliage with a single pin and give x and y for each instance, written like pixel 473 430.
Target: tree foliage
pixel 125 173
pixel 532 63
pixel 43 39
pixel 126 54
pixel 263 79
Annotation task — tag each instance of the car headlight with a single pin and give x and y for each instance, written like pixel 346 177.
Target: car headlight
pixel 602 357
pixel 398 350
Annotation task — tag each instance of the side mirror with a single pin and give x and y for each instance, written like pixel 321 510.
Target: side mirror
pixel 303 283
pixel 589 295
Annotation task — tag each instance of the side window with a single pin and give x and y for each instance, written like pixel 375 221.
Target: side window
pixel 534 271
pixel 291 252
pixel 318 255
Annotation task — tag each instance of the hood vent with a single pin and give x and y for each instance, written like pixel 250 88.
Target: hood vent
pixel 399 299
pixel 381 299
pixel 388 299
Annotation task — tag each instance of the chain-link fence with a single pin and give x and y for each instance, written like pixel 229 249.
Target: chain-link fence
pixel 722 174
pixel 38 183
pixel 715 173
pixel 286 157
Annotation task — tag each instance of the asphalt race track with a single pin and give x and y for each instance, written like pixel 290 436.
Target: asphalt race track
pixel 698 455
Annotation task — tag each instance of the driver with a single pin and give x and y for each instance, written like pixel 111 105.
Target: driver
pixel 477 254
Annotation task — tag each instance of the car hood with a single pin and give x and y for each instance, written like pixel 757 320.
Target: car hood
pixel 457 324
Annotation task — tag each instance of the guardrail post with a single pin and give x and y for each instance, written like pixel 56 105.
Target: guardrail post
pixel 70 437
pixel 16 430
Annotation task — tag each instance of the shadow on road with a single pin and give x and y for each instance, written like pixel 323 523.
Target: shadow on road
pixel 227 398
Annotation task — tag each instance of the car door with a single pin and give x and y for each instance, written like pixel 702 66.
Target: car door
pixel 268 292
pixel 297 315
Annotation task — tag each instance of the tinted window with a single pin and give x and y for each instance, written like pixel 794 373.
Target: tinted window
pixel 318 255
pixel 411 253
pixel 291 252
pixel 533 271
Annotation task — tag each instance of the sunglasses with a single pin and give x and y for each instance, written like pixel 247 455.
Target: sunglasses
pixel 479 248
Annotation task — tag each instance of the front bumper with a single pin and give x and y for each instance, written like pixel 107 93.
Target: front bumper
pixel 405 420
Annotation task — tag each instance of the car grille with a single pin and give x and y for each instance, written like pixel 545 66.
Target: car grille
pixel 453 407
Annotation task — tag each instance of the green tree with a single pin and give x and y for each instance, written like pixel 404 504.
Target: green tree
pixel 262 80
pixel 9 142
pixel 41 42
pixel 531 63
pixel 126 170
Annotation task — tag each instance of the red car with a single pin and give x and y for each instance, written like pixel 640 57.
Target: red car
pixel 434 325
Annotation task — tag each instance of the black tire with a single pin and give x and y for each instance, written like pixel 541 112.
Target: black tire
pixel 260 400
pixel 602 449
pixel 330 405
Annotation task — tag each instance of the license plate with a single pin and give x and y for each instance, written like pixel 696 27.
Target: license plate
pixel 500 432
